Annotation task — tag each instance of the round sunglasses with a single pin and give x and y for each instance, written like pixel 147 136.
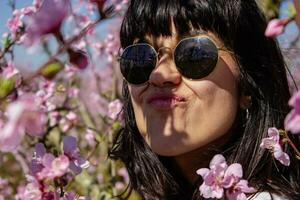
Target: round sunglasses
pixel 194 57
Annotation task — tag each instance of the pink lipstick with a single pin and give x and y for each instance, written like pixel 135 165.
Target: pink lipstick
pixel 165 101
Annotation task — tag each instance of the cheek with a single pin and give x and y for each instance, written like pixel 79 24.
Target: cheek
pixel 214 106
pixel 213 114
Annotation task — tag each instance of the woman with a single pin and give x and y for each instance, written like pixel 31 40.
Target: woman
pixel 200 79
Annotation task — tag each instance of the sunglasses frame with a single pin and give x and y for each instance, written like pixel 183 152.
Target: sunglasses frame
pixel 173 56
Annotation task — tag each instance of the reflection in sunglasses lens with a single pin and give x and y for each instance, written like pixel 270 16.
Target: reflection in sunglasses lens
pixel 137 63
pixel 196 58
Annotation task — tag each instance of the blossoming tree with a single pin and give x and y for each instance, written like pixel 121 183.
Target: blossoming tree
pixel 57 121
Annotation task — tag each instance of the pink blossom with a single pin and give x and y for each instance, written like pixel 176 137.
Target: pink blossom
pixel 45 94
pixel 10 71
pixel 212 186
pixel 32 191
pixel 272 143
pixel 54 118
pixel 275 27
pixel 53 167
pixel 292 120
pixel 238 191
pixel 23 116
pixel 70 71
pixel 114 109
pixel 47 19
pixel 46 166
pixel 72 152
pixel 112 46
pixel 20 193
pixel 15 22
pixel 68 122
pixel 73 92
pixel 124 173
pixel 221 177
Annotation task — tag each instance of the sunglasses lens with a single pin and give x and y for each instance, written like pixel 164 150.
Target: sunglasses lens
pixel 195 58
pixel 137 63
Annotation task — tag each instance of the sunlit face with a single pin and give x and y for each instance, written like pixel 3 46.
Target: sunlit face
pixel 176 115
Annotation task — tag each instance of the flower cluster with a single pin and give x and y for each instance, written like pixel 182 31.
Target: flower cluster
pixel 273 144
pixel 222 180
pixel 45 168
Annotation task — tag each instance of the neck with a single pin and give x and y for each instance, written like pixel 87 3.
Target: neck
pixel 188 163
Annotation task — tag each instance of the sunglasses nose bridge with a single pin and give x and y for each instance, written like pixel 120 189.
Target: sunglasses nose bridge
pixel 164 50
pixel 165 72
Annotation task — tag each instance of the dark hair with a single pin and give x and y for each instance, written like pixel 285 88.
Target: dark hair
pixel 240 25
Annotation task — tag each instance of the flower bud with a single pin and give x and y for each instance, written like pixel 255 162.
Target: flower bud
pixel 6 86
pixel 78 58
pixel 50 69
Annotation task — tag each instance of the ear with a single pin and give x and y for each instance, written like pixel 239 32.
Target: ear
pixel 245 102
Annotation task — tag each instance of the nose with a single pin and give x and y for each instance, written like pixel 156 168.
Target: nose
pixel 165 72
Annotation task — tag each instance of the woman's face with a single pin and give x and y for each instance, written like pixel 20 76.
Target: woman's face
pixel 176 115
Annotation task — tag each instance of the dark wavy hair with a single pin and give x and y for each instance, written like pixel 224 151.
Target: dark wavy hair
pixel 240 25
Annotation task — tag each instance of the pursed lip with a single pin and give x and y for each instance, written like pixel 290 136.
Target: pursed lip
pixel 164 100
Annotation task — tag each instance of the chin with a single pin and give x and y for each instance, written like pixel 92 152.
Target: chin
pixel 170 149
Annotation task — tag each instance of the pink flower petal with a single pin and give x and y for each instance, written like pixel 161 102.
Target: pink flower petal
pixel 217 159
pixel 243 186
pixel 211 192
pixel 232 175
pixel 282 157
pixel 205 191
pixel 275 27
pixel 44 21
pixel 295 101
pixel 292 122
pixel 48 159
pixel 217 192
pixel 274 133
pixel 267 143
pixel 202 172
pixel 235 170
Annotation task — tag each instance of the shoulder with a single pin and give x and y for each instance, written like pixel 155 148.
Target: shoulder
pixel 266 196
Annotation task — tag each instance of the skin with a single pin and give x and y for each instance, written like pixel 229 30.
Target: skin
pixel 203 119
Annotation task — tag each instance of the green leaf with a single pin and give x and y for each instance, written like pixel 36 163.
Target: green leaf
pixel 6 86
pixel 50 69
pixel 6 42
pixel 116 125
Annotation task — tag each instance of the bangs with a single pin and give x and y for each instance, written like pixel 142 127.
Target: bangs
pixel 155 17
